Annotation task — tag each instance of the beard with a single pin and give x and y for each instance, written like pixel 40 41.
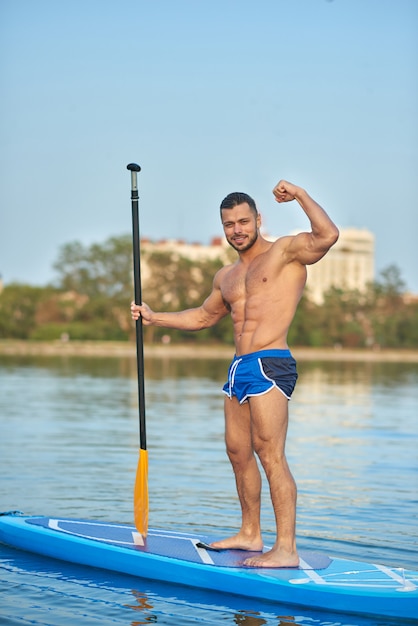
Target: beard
pixel 249 243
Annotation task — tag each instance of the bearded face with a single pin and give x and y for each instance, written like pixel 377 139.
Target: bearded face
pixel 240 227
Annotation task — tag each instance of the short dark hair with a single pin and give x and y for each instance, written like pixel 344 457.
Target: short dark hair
pixel 238 197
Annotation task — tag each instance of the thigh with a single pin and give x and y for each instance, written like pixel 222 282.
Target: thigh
pixel 237 426
pixel 269 419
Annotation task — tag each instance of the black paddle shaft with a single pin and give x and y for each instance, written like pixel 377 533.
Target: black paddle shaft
pixel 136 245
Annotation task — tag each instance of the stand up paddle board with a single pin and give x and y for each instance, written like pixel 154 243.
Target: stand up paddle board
pixel 320 581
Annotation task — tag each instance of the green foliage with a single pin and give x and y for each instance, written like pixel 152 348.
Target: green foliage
pixel 99 270
pixel 378 318
pixel 174 283
pixel 94 286
pixel 18 307
pixel 301 332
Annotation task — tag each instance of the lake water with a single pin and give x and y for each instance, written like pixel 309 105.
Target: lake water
pixel 69 446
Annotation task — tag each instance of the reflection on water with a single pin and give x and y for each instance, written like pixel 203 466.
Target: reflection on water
pixel 68 446
pixel 124 367
pixel 361 471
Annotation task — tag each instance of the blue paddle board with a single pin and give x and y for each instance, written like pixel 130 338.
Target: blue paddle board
pixel 320 581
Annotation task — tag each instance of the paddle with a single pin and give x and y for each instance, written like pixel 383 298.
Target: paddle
pixel 141 481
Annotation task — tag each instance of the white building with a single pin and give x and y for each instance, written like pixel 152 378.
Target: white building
pixel 348 265
pixel 217 249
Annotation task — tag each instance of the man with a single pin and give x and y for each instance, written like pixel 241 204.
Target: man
pixel 261 291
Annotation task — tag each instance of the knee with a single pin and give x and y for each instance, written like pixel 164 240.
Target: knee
pixel 270 455
pixel 262 447
pixel 239 455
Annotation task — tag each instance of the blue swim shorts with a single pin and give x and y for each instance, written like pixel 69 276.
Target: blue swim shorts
pixel 256 373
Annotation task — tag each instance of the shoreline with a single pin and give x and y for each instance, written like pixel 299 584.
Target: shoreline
pixel 191 351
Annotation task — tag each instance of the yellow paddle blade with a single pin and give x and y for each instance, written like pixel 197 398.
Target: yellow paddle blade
pixel 141 494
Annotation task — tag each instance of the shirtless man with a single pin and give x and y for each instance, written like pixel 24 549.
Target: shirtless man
pixel 260 291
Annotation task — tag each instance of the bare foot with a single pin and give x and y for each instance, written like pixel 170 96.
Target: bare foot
pixel 274 558
pixel 239 541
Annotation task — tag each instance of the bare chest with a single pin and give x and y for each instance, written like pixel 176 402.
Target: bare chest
pixel 244 281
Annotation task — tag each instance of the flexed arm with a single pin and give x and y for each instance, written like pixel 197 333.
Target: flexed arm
pixel 307 248
pixel 208 314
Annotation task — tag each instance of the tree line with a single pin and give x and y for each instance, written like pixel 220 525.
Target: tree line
pixel 89 300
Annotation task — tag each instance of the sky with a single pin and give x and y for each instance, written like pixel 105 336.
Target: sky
pixel 209 97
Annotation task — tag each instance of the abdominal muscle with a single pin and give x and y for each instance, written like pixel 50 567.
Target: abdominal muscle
pixel 262 325
pixel 263 303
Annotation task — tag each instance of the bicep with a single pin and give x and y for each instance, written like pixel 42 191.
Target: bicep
pixel 305 248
